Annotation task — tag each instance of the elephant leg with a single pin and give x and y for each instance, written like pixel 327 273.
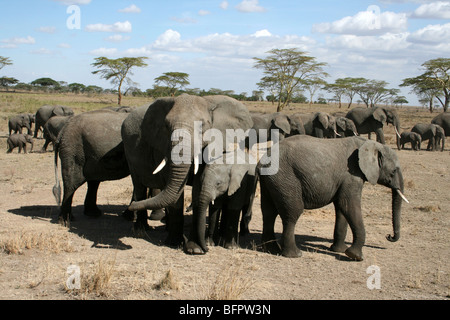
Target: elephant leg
pixel 380 136
pixel 231 228
pixel 90 202
pixel 213 234
pixel 245 221
pixel 141 223
pixel 352 213
pixel 175 223
pixel 156 215
pixel 340 232
pixel 269 214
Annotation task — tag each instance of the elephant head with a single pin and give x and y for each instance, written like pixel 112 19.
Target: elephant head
pixel 187 121
pixel 387 115
pixel 281 122
pixel 345 127
pixel 380 165
pixel 324 125
pixel 296 124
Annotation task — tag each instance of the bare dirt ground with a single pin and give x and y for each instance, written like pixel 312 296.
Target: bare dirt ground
pixel 117 263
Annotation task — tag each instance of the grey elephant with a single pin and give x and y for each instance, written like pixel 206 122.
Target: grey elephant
pixel 443 120
pixel 319 124
pixel 123 109
pixel 46 112
pixel 52 128
pixel 91 150
pixel 226 186
pixel 163 146
pixel 368 120
pixel 328 171
pixel 18 122
pixel 431 132
pixel 19 140
pixel 345 128
pixel 411 137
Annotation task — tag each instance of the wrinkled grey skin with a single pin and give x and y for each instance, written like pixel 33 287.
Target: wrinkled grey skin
pixel 319 124
pixel 411 137
pixel 368 120
pixel 147 135
pixel 345 128
pixel 52 128
pixel 91 150
pixel 23 120
pixel 443 120
pixel 123 109
pixel 328 171
pixel 19 140
pixel 227 187
pixel 46 112
pixel 431 132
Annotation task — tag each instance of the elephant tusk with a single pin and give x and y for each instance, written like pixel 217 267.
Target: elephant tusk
pixel 355 133
pixel 337 133
pixel 212 202
pixel 161 166
pixel 396 131
pixel 402 196
pixel 196 164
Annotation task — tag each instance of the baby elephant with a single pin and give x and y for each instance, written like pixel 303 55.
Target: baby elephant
pixel 411 137
pixel 19 140
pixel 313 173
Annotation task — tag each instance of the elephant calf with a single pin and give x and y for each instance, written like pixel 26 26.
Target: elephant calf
pixel 411 137
pixel 328 171
pixel 19 140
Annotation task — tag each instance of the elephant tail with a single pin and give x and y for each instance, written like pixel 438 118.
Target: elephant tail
pixel 57 186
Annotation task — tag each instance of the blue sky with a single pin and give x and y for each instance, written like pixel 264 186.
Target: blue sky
pixel 215 41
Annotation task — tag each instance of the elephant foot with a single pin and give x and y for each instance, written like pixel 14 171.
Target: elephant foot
pixel 190 247
pixel 157 215
pixel 210 241
pixel 354 254
pixel 291 252
pixel 231 245
pixel 338 247
pixel 93 212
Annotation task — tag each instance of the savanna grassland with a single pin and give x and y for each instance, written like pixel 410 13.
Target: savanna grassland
pixel 117 263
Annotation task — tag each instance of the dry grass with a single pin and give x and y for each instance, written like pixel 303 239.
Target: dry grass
pixel 168 282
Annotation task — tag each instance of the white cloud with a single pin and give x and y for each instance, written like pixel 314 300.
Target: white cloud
pixel 118 27
pixel 14 42
pixel 117 38
pixel 42 51
pixel 431 34
pixel 365 23
pixel 434 10
pixel 48 29
pixel 224 5
pixel 131 9
pixel 250 6
pixel 262 33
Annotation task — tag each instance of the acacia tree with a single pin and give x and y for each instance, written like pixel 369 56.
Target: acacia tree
pixel 433 83
pixel 118 70
pixel 287 69
pixel 5 61
pixel 173 81
pixel 374 91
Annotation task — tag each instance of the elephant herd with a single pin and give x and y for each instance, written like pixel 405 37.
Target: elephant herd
pixel 204 142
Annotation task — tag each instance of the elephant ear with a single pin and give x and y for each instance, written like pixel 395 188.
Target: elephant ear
pixel 239 170
pixel 433 129
pixel 281 122
pixel 380 115
pixel 323 119
pixel 368 155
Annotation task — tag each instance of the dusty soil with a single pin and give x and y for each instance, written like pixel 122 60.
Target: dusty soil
pixel 117 263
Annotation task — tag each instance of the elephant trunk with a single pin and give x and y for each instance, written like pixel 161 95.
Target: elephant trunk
pixel 397 199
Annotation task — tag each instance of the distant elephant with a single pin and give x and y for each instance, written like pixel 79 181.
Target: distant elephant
pixel 345 128
pixel 119 109
pixel 443 120
pixel 19 140
pixel 264 123
pixel 160 148
pixel 23 120
pixel 369 120
pixel 46 112
pixel 411 137
pixel 319 124
pixel 227 186
pixel 91 150
pixel 313 173
pixel 431 132
pixel 52 128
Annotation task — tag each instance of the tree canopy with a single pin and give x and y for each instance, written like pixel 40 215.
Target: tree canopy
pixel 118 70
pixel 173 81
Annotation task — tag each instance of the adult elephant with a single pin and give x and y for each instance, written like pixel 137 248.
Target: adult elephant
pixel 443 120
pixel 328 171
pixel 319 124
pixel 345 127
pixel 91 150
pixel 226 186
pixel 163 145
pixel 46 112
pixel 263 124
pixel 51 130
pixel 369 120
pixel 431 132
pixel 18 122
